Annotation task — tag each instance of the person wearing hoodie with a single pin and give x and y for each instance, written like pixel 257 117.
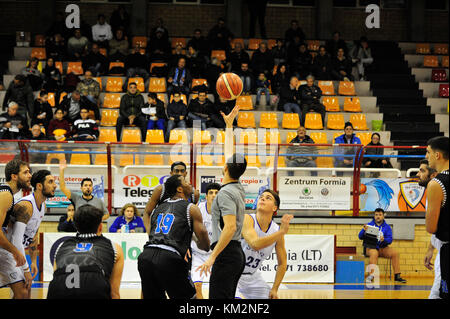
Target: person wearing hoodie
pixel 347 138
pixel 43 112
pixel 34 76
pixel 301 159
pixel 176 112
pixel 20 92
pixel 131 105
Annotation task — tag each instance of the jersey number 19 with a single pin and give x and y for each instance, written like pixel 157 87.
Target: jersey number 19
pixel 164 223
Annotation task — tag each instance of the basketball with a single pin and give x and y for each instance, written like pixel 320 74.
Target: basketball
pixel 229 86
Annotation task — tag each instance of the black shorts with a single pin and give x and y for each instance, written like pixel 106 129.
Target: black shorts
pixel 92 285
pixel 444 253
pixel 163 271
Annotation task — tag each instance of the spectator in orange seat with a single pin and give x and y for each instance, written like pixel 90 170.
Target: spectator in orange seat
pixel 137 65
pixel 118 47
pixel 176 112
pixel 12 124
pixel 341 67
pixel 237 57
pixel 96 62
pixel 262 86
pixel 375 162
pixel 52 77
pixel 290 98
pixel 301 63
pixel 155 112
pixel 281 78
pixel 84 129
pixel 321 67
pixel 262 61
pixel 195 63
pixel 20 92
pixel 310 99
pixel 298 160
pixel 59 128
pixel 72 104
pixel 42 111
pixel 200 44
pixel 199 109
pixel 101 32
pixel 248 79
pixel 77 46
pixel 177 54
pixel 279 52
pixel 362 56
pixel 34 77
pixel 89 87
pixel 131 105
pixel 179 78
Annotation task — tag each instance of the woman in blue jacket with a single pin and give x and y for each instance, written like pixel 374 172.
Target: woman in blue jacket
pixel 382 249
pixel 129 214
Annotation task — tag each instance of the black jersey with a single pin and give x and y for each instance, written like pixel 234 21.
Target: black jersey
pixel 170 225
pixel 442 232
pixel 6 188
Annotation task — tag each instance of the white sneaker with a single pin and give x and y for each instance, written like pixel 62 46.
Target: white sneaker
pixel 369 278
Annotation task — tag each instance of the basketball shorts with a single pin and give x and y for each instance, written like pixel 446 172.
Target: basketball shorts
pixel 198 259
pixel 9 272
pixel 252 286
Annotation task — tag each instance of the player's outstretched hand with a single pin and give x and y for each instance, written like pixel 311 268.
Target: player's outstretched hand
pixel 229 119
pixel 206 267
pixel 285 220
pixel 62 164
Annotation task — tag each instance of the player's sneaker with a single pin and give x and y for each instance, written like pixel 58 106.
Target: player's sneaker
pixel 400 280
pixel 369 279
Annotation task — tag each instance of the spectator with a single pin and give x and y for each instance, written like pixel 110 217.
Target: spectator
pixel 71 81
pixel 59 127
pixel 130 113
pixel 59 27
pixel 382 248
pixel 155 111
pixel 118 47
pixel 262 86
pixel 43 112
pixel 66 222
pixel 101 32
pixel 120 19
pixel 262 60
pixel 375 162
pixel 72 104
pixel 52 77
pixel 322 65
pixel 195 63
pixel 224 106
pixel 96 62
pixel 177 54
pixel 237 57
pixel 292 49
pixel 20 92
pixel 247 78
pixel 301 159
pixel 362 56
pixel 199 109
pixel 129 215
pixel 257 11
pixel 212 73
pixel 84 129
pixel 294 31
pixel 76 46
pixel 310 99
pixel 176 112
pixel 281 78
pixel 13 125
pixel 137 65
pixel 341 67
pixel 347 138
pixel 179 78
pixel 220 36
pixel 335 44
pixel 289 98
pixel 159 47
pixel 38 135
pixel 200 44
pixel 301 64
pixel 279 53
pixel 55 47
pixel 159 28
pixel 89 88
pixel 33 75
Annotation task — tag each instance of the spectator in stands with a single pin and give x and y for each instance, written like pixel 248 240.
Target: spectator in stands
pixel 59 128
pixel 237 57
pixel 72 104
pixel 131 105
pixel 341 67
pixel 137 65
pixel 179 78
pixel 335 44
pixel 38 135
pixel 195 63
pixel 292 49
pixel 199 109
pixel 220 36
pixel 118 47
pixel 20 92
pixel 52 77
pixel 96 62
pixel 33 75
pixel 55 47
pixel 281 78
pixel 298 160
pixel 42 111
pixel 289 98
pixel 361 54
pixel 155 112
pixel 382 248
pixel 59 27
pixel 279 53
pixel 375 162
pixel 65 223
pixel 302 63
pixel 224 106
pixel 176 112
pixel 159 47
pixel 310 95
pixel 101 32
pixel 120 19
pixel 200 44
pixel 77 46
pixel 262 86
pixel 212 73
pixel 129 215
pixel 347 138
pixel 262 60
pixel 322 65
pixel 294 31
pixel 177 54
pixel 159 28
pixel 13 125
pixel 247 78
pixel 89 87
pixel 84 129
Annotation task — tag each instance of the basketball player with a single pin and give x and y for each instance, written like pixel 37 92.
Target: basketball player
pixel 88 265
pixel 198 255
pixel 260 236
pixel 27 214
pixel 161 265
pixel 436 218
pixel 227 260
pixel 18 177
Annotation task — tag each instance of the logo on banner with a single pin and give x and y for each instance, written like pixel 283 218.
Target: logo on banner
pixel 411 195
pixel 324 192
pixel 306 191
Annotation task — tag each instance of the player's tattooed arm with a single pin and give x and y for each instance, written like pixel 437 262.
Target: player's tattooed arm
pixel 22 212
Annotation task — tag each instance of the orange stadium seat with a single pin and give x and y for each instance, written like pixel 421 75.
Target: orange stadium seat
pixel 352 104
pixel 268 120
pixel 290 121
pixel 59 66
pixel 253 161
pixel 248 137
pixel 281 161
pixel 201 137
pixel 423 48
pixel 253 44
pixel 271 43
pixel 324 161
pixel 154 159
pixel 430 61
pixel 178 41
pixel 109 117
pixel 441 48
pixel 80 158
pixel 359 121
pixel 111 100
pixel 131 135
pixel 162 97
pixel 58 156
pixel 346 88
pixel 313 121
pixel 444 62
pixel 39 40
pixel 99 81
pixel 107 134
pixel 365 137
pixel 75 68
pixel 128 159
pixel 331 103
pixel 219 54
pixel 290 136
pixel 272 137
pixel 319 137
pixel 142 41
pixel 245 102
pixel 178 136
pixel 335 122
pixel 183 99
pixel 116 64
pixel 51 99
pixel 237 40
pixel 103 51
pixel 114 84
pixel 246 120
pixel 313 45
pixel 327 87
pixel 157 65
pixel 157 85
pixel 155 136
pixel 38 53
pixel 61 96
pixel 197 82
pixel 139 82
pixel 337 134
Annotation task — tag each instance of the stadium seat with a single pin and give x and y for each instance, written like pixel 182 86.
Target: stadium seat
pixel 352 104
pixel 438 75
pixel 201 137
pixel 197 82
pixel 114 84
pixel 38 53
pixel 103 51
pixel 220 137
pixel 39 40
pixel 107 134
pixel 111 100
pixel 444 62
pixel 128 159
pixel 313 45
pixel 237 40
pixel 335 122
pixel 109 117
pixel 327 87
pixel 313 121
pixel 365 138
pixel 268 120
pixel 58 156
pixel 253 44
pixel 101 159
pixel 324 161
pixel 99 81
pixel 142 41
pixel 204 160
pixel 245 102
pixel 183 99
pixel 155 136
pixel 290 136
pixel 157 85
pixel 51 99
pixel 336 135
pixel 441 48
pixel 423 48
pixel 430 61
pixel 61 96
pixel 131 135
pixel 139 82
pixel 75 68
pixel 281 161
pixel 271 43
pixel 443 90
pixel 80 158
pixel 319 137
pixel 154 159
pixel 178 41
pixel 162 97
pixel 290 121
pixel 272 137
pixel 359 122
pixel 157 65
pixel 178 136
pixel 346 88
pixel 253 161
pixel 246 120
pixel 179 157
pixel 219 54
pixel 116 64
pixel 248 137
pixel 59 66
pixel 331 103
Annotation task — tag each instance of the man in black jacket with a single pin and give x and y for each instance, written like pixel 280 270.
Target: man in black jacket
pixel 341 67
pixel 137 65
pixel 200 44
pixel 199 109
pixel 176 112
pixel 130 113
pixel 95 62
pixel 12 124
pixel 310 99
pixel 290 98
pixel 84 129
pixel 20 92
pixel 302 157
pixel 43 112
pixel 238 56
pixel 322 65
pixel 72 104
pixel 262 61
pixel 179 79
pixel 248 79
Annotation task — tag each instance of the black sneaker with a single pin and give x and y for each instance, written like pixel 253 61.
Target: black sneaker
pixel 400 279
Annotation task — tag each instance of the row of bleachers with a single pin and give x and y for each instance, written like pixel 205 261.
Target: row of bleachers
pixel 427 61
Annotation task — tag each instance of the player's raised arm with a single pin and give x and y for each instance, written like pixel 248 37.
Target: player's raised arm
pixel 62 183
pixel 229 138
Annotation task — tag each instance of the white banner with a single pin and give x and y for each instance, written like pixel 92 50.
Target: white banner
pixel 318 193
pixel 310 257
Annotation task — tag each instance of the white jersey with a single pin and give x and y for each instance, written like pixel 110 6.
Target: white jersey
pixel 35 220
pixel 208 225
pixel 254 258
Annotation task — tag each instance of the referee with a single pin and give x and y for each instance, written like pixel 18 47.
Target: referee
pixel 227 260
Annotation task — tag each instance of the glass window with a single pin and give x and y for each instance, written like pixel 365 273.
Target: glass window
pixel 344 3
pixel 394 4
